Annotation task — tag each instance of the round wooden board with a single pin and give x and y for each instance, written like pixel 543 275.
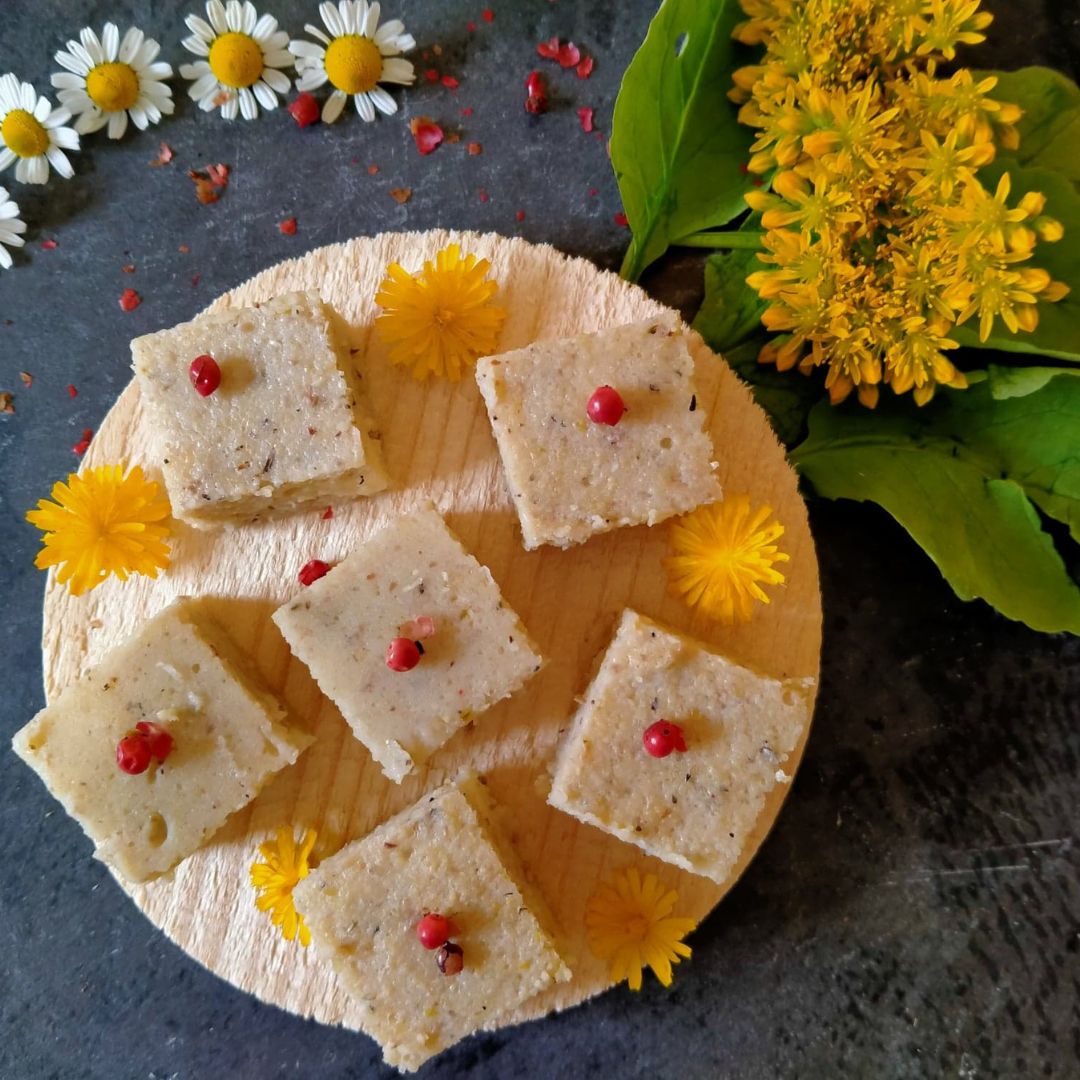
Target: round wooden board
pixel 438 446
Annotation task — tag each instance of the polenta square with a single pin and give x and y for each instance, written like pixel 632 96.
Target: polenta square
pixel 413 588
pixel 225 736
pixel 574 470
pixel 675 748
pixel 430 924
pixel 280 425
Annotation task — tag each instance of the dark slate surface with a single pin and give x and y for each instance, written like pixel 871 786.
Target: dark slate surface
pixel 916 911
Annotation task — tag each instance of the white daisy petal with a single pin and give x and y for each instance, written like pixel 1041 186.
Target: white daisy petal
pixel 332 18
pixel 364 107
pixel 92 46
pixel 160 70
pixel 350 17
pixel 56 118
pixel 25 171
pixel 276 81
pixel 382 101
pixel 146 55
pixel 234 16
pixel 304 48
pixel 92 120
pixel 264 95
pixel 5 258
pixel 65 137
pixel 314 31
pixel 118 122
pixel 196 45
pixel 130 45
pixel 278 58
pixel 215 12
pixel 7 157
pixel 266 26
pixel 251 18
pixel 388 30
pixel 334 104
pixel 27 97
pixel 139 117
pixel 396 70
pixel 312 79
pixel 59 161
pixel 72 63
pixel 202 85
pixel 42 109
pixel 110 41
pixel 249 109
pixel 230 108
pixel 65 80
pixel 200 27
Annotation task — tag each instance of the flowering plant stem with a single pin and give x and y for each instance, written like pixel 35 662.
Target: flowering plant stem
pixel 730 241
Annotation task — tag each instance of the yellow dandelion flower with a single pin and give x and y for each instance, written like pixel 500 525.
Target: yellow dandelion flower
pixel 102 522
pixel 438 321
pixel 721 556
pixel 274 880
pixel 628 922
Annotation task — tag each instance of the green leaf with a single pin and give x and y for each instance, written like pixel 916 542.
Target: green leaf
pixel 1058 332
pixel 731 310
pixel 1009 382
pixel 961 476
pixel 676 145
pixel 1050 127
pixel 786 396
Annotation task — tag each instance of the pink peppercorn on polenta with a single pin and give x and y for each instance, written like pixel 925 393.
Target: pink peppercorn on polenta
pixel 257 412
pixel 370 911
pixel 183 683
pixel 675 748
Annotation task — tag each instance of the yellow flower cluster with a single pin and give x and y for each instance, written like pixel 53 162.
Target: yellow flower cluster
pixel 879 237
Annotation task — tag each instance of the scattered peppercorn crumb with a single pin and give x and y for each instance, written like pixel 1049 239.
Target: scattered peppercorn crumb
pixel 27 379
pixel 288 226
pixel 569 55
pixel 72 392
pixel 6 405
pixel 304 109
pixel 450 82
pixel 594 191
pixel 328 513
pixel 483 195
pixel 401 195
pixel 83 444
pixel 130 300
pixel 165 155
pixel 585 115
pixel 437 50
pixel 431 75
pixel 454 137
pixel 520 215
pixel 184 249
pixel 373 170
pixel 128 269
pixel 195 279
pixel 49 245
pixel 585 68
pixel 474 148
pixel 471 26
pixel 487 15
pixel 622 219
pixel 210 184
pixel 467 111
pixel 549 49
pixel 426 133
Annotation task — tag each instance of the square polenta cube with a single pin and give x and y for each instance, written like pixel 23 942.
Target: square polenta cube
pixel 696 809
pixel 447 855
pixel 229 736
pixel 341 626
pixel 571 478
pixel 284 429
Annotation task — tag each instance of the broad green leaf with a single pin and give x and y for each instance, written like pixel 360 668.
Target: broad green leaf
pixel 676 145
pixel 961 476
pixel 1009 382
pixel 1050 127
pixel 1058 332
pixel 731 310
pixel 786 396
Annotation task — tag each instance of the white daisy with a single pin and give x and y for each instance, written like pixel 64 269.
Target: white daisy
pixel 243 53
pixel 32 133
pixel 357 56
pixel 11 228
pixel 107 80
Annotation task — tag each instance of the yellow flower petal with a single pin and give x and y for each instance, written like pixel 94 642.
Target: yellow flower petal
pixel 286 863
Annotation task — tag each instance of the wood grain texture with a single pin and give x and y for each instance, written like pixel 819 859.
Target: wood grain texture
pixel 438 446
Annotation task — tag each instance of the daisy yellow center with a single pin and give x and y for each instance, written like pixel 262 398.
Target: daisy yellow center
pixel 23 134
pixel 113 87
pixel 236 60
pixel 353 63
